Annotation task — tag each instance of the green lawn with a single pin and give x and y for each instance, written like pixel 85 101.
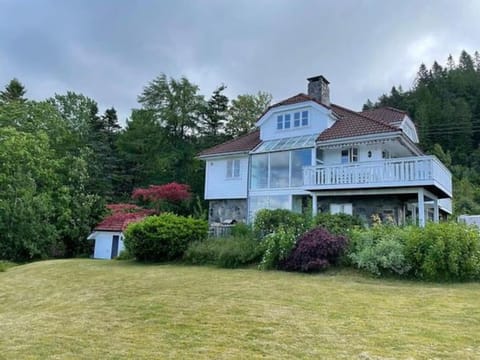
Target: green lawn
pixel 114 310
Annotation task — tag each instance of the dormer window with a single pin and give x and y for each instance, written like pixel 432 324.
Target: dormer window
pixel 300 119
pixel 286 122
pixel 279 122
pixel 304 118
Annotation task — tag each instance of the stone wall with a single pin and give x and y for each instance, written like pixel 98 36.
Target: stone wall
pixel 226 210
pixel 364 207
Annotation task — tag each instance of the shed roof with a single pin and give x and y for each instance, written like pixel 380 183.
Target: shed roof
pixel 122 215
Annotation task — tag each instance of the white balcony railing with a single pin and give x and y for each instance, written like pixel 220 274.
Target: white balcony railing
pixel 423 170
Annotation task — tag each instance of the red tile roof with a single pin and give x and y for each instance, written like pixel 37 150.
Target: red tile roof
pixel 388 115
pixel 243 143
pixel 351 124
pixel 121 216
pixel 299 98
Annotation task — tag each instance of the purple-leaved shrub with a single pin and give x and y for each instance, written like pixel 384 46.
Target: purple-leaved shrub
pixel 315 250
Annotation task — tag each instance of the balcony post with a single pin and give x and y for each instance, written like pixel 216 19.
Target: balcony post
pixel 314 204
pixel 436 211
pixel 421 208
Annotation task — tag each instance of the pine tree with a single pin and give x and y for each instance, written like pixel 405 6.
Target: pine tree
pixel 465 62
pixel 437 70
pixel 368 105
pixel 14 91
pixel 423 76
pixel 215 113
pixel 450 63
pixel 477 61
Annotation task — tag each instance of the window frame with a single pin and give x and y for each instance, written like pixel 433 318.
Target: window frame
pixel 233 169
pixel 349 155
pixel 293 120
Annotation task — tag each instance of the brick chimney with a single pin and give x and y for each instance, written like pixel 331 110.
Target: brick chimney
pixel 319 90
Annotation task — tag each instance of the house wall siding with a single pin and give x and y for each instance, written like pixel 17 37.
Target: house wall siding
pixel 103 244
pixel 218 186
pixel 319 120
pixel 333 156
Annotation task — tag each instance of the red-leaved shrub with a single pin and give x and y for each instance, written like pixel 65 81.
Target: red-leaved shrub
pixel 172 192
pixel 314 251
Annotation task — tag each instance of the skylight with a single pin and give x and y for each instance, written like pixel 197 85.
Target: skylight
pixel 297 142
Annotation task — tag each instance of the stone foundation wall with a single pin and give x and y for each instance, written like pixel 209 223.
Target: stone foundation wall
pixel 365 206
pixel 229 209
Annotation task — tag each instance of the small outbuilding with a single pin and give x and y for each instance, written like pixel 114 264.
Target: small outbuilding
pixel 108 234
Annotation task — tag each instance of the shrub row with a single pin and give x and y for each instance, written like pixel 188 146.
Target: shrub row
pixel 230 252
pixel 446 251
pixel 284 240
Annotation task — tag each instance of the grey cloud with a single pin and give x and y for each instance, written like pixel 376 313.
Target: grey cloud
pixel 110 49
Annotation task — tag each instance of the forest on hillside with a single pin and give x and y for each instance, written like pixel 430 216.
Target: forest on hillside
pixel 444 103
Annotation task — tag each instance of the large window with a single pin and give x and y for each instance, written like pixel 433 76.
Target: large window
pixel 300 158
pixel 280 169
pixel 233 169
pixel 259 171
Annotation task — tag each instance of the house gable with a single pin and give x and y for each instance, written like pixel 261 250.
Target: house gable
pixel 296 116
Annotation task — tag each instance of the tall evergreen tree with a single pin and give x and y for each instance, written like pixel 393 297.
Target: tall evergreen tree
pixel 14 91
pixel 215 113
pixel 465 63
pixel 450 63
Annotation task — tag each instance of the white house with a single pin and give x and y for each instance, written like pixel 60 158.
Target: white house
pixel 307 150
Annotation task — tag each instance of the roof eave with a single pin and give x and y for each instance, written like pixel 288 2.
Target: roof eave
pixel 224 154
pixel 353 139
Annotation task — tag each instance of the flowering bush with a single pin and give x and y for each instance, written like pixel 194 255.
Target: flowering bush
pixel 269 221
pixel 315 250
pixel 275 247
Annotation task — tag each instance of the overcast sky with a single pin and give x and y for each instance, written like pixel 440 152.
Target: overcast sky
pixel 110 49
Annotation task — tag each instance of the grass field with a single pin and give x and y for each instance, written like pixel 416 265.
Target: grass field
pixel 114 310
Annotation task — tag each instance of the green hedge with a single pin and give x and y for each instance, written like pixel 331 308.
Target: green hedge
pixel 338 224
pixel 443 252
pixel 230 252
pixel 163 237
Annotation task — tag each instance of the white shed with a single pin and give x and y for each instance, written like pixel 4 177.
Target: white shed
pixel 108 234
pixel 108 244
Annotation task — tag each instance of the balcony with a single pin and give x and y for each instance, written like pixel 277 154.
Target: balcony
pixel 422 171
